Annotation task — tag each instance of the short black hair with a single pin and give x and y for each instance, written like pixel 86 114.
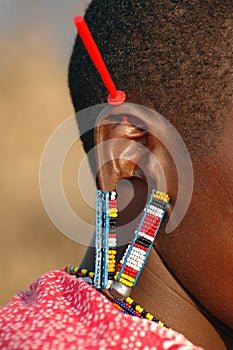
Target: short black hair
pixel 175 53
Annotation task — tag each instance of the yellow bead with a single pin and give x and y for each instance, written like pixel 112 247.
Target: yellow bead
pixel 131 279
pixel 112 252
pixel 160 323
pixel 139 308
pixel 149 316
pixel 111 266
pixel 124 281
pixel 112 261
pixel 113 212
pixel 129 300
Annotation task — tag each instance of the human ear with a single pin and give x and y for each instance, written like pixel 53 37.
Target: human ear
pixel 129 145
pixel 146 148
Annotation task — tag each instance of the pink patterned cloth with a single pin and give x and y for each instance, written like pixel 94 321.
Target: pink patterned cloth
pixel 62 312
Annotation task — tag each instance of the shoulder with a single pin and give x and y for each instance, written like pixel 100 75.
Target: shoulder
pixel 60 311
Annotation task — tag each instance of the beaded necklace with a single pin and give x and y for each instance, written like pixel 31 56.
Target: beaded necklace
pixel 127 306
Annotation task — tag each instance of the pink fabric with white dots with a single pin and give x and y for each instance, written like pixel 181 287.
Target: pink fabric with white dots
pixel 62 312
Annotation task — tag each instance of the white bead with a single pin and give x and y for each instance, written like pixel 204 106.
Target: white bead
pixel 150 238
pixel 140 251
pixel 113 195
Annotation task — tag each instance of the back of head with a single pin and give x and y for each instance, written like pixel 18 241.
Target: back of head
pixel 174 56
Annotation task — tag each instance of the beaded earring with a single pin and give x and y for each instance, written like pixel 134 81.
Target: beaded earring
pixel 105 238
pixel 127 272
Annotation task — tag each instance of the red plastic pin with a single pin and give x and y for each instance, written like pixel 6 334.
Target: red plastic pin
pixel 116 97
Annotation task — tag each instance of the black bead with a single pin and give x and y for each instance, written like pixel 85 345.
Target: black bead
pixel 133 305
pixel 157 203
pixel 143 313
pixel 143 241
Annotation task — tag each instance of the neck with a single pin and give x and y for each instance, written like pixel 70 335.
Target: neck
pixel 159 293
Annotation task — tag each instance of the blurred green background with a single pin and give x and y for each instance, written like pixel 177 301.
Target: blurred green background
pixel 36 39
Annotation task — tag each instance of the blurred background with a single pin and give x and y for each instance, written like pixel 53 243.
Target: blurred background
pixel 36 39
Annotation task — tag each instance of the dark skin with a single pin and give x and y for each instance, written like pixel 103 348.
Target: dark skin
pixel 187 281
